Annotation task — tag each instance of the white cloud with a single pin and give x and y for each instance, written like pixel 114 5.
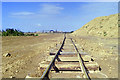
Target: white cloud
pixel 46 10
pixel 50 9
pixel 22 13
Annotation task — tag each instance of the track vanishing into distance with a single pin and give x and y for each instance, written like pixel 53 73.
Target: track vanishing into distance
pixel 66 60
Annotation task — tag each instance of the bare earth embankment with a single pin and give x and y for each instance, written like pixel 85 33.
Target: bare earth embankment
pixel 99 38
pixel 26 54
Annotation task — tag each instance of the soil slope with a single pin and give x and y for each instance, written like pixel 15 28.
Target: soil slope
pixel 106 26
pixel 99 38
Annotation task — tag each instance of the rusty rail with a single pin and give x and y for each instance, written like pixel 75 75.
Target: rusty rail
pixel 52 63
pixel 81 62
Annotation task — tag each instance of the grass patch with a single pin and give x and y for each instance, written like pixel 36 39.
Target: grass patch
pixel 101 26
pixel 105 33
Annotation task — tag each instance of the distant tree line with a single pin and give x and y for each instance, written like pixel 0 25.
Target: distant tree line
pixel 15 32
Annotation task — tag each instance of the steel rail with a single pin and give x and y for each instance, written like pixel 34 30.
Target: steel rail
pixel 52 63
pixel 81 62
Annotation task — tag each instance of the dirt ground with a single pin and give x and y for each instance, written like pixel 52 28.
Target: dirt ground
pixel 103 50
pixel 26 53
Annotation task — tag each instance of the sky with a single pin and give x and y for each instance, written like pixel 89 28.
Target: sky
pixel 61 16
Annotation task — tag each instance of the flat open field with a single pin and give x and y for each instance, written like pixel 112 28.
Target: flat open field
pixel 26 53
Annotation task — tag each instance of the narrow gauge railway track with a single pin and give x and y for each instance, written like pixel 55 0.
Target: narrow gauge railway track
pixel 52 63
pixel 68 61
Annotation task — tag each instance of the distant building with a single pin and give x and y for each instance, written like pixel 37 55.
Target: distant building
pixel 51 31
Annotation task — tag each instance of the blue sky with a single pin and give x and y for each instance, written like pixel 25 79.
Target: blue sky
pixel 63 16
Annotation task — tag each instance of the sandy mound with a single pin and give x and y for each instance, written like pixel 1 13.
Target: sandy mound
pixel 106 26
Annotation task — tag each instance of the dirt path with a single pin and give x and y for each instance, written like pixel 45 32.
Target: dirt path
pixel 26 53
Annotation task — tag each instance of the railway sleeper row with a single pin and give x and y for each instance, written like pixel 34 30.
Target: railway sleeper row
pixel 71 68
pixel 67 64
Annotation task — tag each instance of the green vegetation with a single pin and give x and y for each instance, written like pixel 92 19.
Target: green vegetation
pixel 101 26
pixel 29 34
pixel 105 33
pixel 14 32
pixel 0 33
pixel 36 35
pixel 118 25
pixel 110 27
pixel 87 26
